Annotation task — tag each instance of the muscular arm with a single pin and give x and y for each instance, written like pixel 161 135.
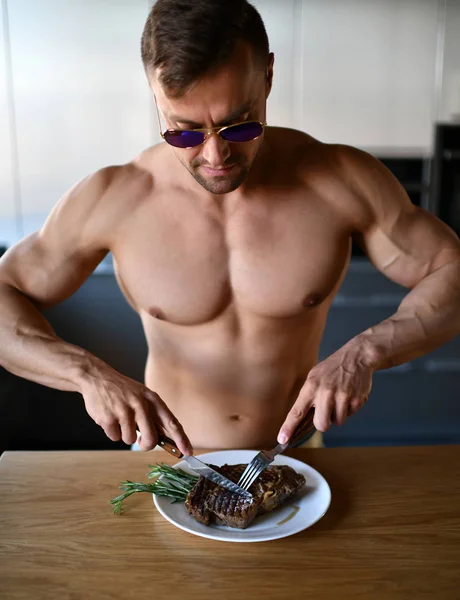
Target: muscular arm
pixel 49 266
pixel 416 250
pixel 42 270
pixel 410 247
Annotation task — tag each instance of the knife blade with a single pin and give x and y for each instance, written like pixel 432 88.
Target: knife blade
pixel 202 468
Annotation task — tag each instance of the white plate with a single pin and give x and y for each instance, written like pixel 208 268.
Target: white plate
pixel 312 502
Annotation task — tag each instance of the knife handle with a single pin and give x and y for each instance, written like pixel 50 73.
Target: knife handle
pixel 303 429
pixel 168 444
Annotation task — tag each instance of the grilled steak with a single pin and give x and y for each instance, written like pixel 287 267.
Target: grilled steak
pixel 210 503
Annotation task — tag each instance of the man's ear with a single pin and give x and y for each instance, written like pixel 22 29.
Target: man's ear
pixel 269 74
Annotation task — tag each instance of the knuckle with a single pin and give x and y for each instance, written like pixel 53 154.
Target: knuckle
pixel 328 390
pixel 313 379
pixel 136 403
pixel 151 395
pixel 298 412
pixel 173 425
pixel 343 398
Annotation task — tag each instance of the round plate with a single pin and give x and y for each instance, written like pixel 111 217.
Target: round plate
pixel 307 506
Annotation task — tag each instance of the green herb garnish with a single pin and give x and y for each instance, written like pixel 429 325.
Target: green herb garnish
pixel 174 484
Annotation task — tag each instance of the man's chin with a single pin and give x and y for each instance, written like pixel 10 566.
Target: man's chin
pixel 221 184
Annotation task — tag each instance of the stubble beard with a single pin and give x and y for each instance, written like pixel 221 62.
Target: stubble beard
pixel 221 184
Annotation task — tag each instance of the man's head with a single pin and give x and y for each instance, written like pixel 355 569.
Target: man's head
pixel 208 64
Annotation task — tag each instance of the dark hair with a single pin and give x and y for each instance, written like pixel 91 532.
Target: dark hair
pixel 187 38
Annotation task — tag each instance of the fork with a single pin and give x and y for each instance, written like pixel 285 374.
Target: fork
pixel 265 457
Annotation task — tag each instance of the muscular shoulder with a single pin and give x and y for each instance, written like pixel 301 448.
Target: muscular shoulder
pixel 91 210
pixel 377 194
pixel 353 182
pixel 117 188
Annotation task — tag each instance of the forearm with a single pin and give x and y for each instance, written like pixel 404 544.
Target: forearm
pixel 30 348
pixel 428 317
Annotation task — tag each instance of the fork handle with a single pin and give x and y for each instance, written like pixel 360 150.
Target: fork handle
pixel 168 444
pixel 303 428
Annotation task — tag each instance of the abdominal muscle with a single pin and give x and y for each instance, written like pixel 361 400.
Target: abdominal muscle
pixel 231 389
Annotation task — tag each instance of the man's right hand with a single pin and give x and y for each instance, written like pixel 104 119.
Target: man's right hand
pixel 121 405
pixel 47 267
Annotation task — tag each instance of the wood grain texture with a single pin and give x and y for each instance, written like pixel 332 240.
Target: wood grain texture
pixel 392 531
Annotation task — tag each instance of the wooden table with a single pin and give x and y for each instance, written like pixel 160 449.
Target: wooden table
pixel 392 531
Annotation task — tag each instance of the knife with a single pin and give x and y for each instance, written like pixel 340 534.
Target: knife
pixel 202 468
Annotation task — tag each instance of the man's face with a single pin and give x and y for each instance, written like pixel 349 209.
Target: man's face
pixel 236 92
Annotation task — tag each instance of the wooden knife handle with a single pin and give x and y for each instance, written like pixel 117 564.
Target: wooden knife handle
pixel 168 444
pixel 303 428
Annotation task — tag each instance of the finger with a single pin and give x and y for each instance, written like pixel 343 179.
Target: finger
pixel 324 405
pixel 297 413
pixel 169 424
pixel 334 420
pixel 128 429
pixel 148 437
pixel 112 430
pixel 353 407
pixel 342 404
pixel 355 404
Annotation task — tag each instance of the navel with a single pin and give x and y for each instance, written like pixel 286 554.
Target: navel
pixel 235 417
pixel 312 300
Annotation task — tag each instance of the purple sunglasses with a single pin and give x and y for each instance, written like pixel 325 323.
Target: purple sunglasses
pixel 245 131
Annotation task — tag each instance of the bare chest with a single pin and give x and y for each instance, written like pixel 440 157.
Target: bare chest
pixel 275 259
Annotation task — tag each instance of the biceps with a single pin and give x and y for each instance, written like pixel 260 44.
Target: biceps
pixel 412 247
pixel 45 274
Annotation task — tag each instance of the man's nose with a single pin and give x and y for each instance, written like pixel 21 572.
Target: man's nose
pixel 215 151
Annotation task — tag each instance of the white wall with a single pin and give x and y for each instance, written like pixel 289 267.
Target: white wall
pixel 360 72
pixel 355 71
pixel 80 93
pixel 369 71
pixel 450 99
pixel 9 230
pixel 281 20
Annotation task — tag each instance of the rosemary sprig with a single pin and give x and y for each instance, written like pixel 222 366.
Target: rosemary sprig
pixel 169 482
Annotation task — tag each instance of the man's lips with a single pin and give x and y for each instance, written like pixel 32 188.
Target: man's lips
pixel 217 171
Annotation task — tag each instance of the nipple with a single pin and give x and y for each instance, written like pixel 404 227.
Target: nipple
pixel 312 300
pixel 156 313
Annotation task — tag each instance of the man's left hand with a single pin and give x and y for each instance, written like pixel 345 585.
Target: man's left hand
pixel 337 387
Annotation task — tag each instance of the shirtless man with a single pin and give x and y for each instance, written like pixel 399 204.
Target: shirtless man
pixel 230 244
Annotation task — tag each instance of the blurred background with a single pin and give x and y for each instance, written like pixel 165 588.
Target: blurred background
pixel 382 75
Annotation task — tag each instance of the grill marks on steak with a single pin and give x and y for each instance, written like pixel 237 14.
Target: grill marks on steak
pixel 209 503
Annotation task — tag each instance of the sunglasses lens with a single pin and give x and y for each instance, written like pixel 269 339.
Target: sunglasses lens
pixel 184 138
pixel 244 132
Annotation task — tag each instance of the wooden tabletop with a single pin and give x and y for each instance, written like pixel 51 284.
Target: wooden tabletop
pixel 392 531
